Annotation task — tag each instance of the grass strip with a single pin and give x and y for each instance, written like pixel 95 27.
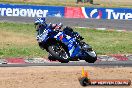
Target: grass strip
pixel 18 40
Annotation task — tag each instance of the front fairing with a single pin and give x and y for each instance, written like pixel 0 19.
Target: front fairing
pixel 71 43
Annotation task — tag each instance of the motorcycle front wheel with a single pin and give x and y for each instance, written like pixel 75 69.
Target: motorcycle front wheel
pixel 91 57
pixel 59 53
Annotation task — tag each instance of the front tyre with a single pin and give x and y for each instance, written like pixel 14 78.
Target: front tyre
pixel 91 57
pixel 59 53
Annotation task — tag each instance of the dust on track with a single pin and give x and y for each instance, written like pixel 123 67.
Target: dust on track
pixel 58 77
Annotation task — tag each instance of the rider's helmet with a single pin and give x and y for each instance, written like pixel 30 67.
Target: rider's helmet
pixel 39 22
pixel 58 27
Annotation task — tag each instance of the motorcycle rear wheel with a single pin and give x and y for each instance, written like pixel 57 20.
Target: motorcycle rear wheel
pixel 61 56
pixel 51 58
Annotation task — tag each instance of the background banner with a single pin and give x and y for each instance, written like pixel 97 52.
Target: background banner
pixel 31 10
pixel 98 13
pixel 67 12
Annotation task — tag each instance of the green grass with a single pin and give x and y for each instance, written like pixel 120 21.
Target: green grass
pixel 46 2
pixel 14 48
pixel 97 3
pixel 108 42
pixel 24 51
pixel 103 42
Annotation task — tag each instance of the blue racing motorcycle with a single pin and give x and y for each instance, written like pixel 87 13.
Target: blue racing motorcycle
pixel 63 46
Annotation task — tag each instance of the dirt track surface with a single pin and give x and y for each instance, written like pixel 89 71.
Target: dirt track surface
pixel 59 77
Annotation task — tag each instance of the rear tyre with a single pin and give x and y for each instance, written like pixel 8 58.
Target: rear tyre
pixel 51 58
pixel 59 53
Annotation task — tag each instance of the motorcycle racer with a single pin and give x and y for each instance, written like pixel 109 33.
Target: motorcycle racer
pixel 41 24
pixel 62 45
